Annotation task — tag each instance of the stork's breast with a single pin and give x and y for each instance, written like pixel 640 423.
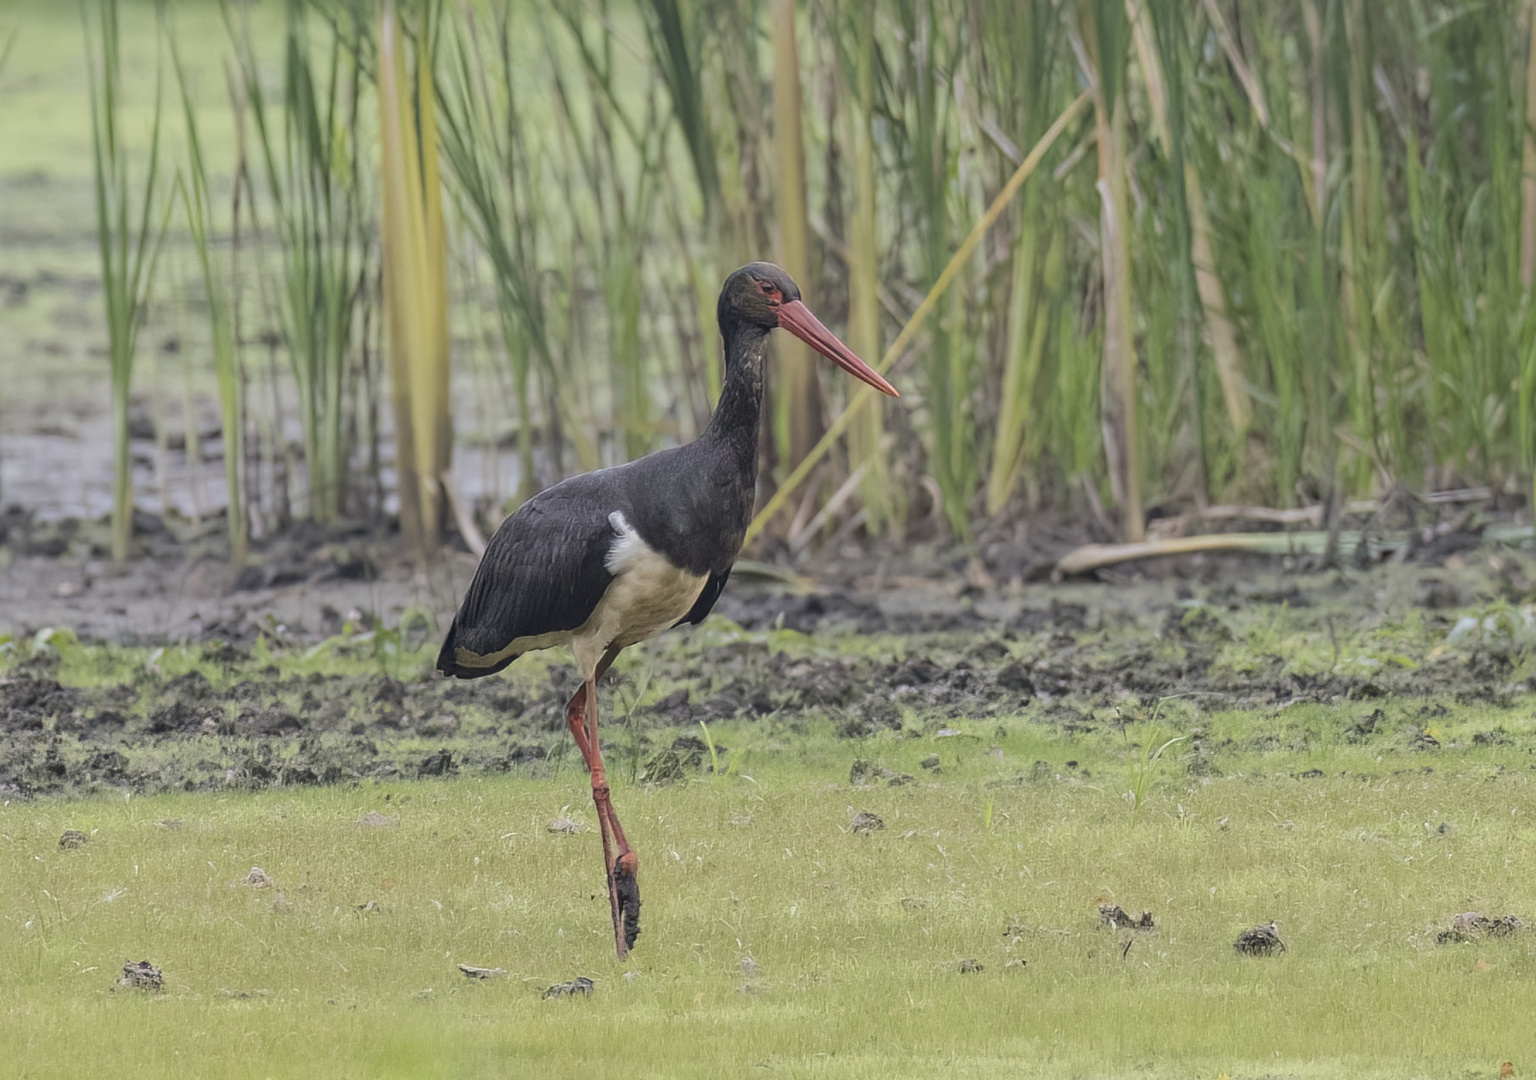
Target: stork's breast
pixel 649 592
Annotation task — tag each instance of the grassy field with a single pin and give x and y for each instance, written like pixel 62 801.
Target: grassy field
pixel 775 938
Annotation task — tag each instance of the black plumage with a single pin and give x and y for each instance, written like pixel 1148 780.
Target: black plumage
pixel 544 570
pixel 609 558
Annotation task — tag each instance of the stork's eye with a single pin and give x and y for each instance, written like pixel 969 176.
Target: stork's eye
pixel 770 292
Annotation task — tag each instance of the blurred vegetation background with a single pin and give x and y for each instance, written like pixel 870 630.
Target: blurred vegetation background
pixel 1275 252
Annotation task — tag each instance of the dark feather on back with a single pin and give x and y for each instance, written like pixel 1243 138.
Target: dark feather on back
pixel 542 572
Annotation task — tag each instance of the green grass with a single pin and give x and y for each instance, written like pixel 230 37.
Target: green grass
pixel 857 939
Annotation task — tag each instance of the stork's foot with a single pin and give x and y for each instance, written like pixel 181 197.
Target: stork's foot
pixel 626 883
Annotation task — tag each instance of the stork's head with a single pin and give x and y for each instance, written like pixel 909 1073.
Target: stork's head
pixel 763 295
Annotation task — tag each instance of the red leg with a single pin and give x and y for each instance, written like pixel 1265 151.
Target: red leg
pixel 623 886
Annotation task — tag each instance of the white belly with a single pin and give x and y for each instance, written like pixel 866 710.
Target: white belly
pixel 647 595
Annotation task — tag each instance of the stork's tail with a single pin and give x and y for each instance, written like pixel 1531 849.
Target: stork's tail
pixel 448 659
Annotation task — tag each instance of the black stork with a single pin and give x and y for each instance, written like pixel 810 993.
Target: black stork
pixel 613 557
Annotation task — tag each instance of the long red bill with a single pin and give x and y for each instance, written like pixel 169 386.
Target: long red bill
pixel 798 320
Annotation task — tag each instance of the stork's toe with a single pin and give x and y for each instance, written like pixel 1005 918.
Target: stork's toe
pixel 627 882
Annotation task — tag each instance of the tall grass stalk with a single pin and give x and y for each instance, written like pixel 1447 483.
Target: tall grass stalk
pixel 314 188
pixel 1105 33
pixel 619 149
pixel 884 502
pixel 493 163
pixel 1023 43
pixel 415 275
pixel 797 399
pixel 929 157
pixel 218 286
pixel 129 240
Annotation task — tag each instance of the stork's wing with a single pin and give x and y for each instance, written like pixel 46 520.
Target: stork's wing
pixel 542 573
pixel 706 601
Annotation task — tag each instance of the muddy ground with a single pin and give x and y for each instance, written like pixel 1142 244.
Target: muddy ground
pixel 313 664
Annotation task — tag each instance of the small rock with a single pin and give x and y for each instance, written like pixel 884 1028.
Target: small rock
pixel 472 972
pixel 867 772
pixel 257 878
pixel 750 967
pixel 73 838
pixel 370 908
pixel 1424 741
pixel 579 985
pixel 1262 940
pixel 175 824
pixel 563 826
pixel 914 903
pixel 1017 962
pixel 931 762
pixel 141 975
pixel 1474 926
pixel 1115 917
pixel 375 820
pixel 438 764
pixel 865 822
pixel 971 967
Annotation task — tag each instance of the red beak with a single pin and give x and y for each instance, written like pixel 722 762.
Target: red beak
pixel 798 320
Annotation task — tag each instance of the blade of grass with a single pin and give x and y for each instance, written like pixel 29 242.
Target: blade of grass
pixel 198 207
pixel 129 244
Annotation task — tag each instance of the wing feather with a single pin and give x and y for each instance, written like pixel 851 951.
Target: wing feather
pixel 542 573
pixel 707 597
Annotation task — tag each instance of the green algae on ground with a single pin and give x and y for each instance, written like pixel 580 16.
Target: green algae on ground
pixel 1235 680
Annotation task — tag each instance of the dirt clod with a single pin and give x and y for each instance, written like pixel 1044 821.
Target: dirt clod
pixel 73 838
pixel 865 822
pixel 1115 917
pixel 1475 926
pixel 438 764
pixel 579 985
pixel 141 975
pixel 687 754
pixel 864 773
pixel 1261 940
pixel 257 878
pixel 472 972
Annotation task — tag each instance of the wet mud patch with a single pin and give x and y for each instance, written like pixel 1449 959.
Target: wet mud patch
pixel 263 729
pixel 926 659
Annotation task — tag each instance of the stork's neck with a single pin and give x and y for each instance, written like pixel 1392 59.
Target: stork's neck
pixel 741 398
